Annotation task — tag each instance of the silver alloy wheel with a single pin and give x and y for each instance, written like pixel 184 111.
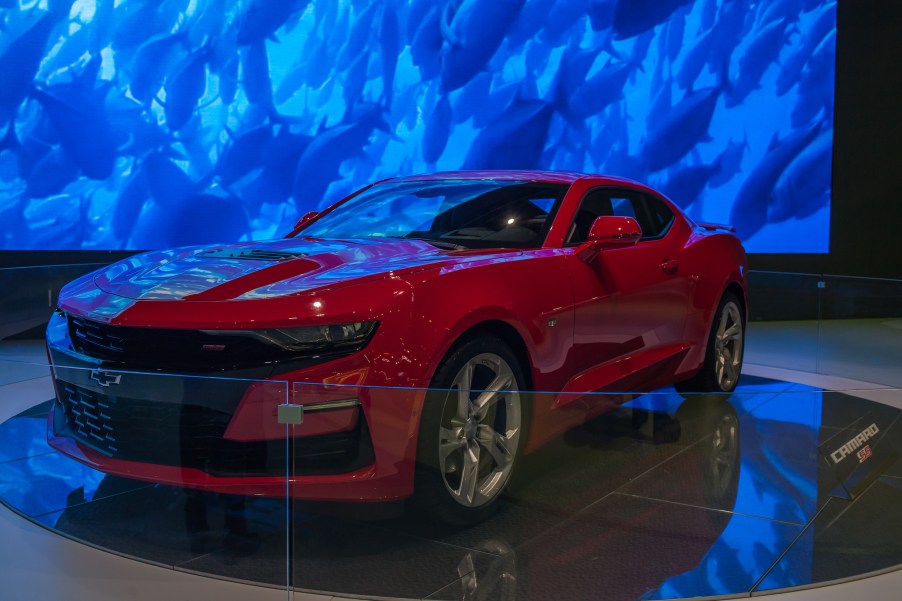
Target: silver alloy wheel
pixel 725 443
pixel 728 346
pixel 480 430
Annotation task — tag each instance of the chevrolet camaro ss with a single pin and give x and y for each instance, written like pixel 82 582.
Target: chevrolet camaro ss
pixel 412 321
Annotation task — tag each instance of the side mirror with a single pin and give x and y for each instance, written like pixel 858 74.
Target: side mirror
pixel 307 218
pixel 608 233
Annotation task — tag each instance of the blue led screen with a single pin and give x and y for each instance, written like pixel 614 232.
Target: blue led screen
pixel 130 124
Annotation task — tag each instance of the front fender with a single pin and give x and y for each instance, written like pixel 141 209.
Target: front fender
pixel 528 291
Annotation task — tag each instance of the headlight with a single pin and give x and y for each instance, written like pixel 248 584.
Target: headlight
pixel 311 339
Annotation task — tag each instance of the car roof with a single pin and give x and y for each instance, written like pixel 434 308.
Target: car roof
pixel 557 177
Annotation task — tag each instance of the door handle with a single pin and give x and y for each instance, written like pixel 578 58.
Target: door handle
pixel 670 265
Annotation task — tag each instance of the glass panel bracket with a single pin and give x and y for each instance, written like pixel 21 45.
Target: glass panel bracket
pixel 291 414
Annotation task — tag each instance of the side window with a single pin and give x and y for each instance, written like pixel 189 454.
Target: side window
pixel 653 216
pixel 595 204
pixel 623 207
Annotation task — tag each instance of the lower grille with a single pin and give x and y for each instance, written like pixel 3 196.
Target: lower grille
pixel 141 430
pixel 90 418
pixel 191 436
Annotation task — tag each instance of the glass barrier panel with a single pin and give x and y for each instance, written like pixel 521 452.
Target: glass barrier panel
pixel 24 366
pixel 483 489
pixel 860 334
pixel 494 492
pixel 178 470
pixel 783 320
pixel 28 295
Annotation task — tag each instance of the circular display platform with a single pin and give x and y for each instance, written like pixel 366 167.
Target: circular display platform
pixel 663 498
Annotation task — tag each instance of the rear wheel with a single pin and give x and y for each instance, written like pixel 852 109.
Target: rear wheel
pixel 471 432
pixel 723 355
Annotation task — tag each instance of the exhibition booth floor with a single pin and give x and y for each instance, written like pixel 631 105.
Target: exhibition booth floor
pixel 663 498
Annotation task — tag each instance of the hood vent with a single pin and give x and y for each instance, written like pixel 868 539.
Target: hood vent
pixel 254 254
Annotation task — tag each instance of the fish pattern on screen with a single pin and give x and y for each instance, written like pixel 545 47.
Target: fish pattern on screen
pixel 130 124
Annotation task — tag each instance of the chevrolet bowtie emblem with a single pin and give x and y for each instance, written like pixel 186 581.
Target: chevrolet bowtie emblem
pixel 105 378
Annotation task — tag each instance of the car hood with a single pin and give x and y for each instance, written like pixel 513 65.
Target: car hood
pixel 266 269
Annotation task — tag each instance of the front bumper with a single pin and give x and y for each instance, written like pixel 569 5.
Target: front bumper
pixel 220 433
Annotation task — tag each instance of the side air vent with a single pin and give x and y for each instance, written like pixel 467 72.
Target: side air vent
pixel 253 254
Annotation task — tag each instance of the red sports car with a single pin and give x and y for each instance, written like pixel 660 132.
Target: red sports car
pixel 478 285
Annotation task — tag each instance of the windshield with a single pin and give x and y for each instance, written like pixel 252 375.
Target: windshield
pixel 460 213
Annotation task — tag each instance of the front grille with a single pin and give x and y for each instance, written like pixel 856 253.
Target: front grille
pixel 255 254
pixel 179 351
pixel 191 436
pixel 103 340
pixel 141 430
pixel 89 417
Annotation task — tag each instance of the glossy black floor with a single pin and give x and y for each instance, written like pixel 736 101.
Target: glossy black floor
pixel 664 498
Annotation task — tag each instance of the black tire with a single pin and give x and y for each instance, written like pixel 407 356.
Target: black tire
pixel 711 379
pixel 440 490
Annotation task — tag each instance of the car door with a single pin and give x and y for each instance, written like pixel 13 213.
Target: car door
pixel 631 303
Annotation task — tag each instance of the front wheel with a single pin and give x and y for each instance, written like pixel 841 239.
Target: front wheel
pixel 723 354
pixel 471 432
